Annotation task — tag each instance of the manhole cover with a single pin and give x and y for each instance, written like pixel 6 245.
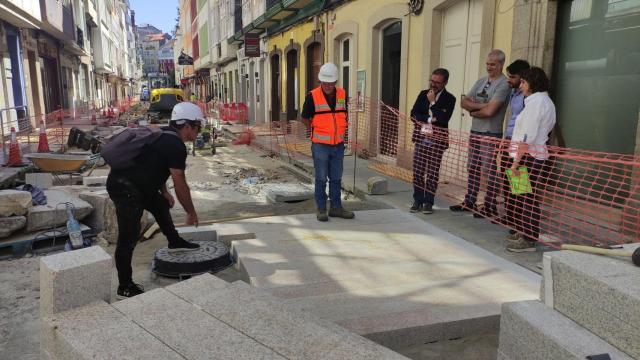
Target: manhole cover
pixel 211 257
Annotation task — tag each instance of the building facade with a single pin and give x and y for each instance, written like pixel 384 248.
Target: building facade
pixel 73 55
pixel 386 51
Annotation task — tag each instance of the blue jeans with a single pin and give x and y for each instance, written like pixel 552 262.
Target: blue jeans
pixel 327 163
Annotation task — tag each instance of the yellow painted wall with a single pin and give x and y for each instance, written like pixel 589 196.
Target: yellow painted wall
pixel 361 13
pixel 299 34
pixel 503 28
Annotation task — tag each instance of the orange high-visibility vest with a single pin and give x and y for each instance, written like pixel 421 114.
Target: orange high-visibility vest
pixel 327 126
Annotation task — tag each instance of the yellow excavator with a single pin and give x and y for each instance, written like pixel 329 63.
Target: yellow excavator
pixel 163 100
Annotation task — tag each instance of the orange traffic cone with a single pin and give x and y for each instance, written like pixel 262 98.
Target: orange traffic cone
pixel 43 142
pixel 15 159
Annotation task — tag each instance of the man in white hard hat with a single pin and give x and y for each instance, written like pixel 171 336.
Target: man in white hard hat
pixel 325 108
pixel 143 187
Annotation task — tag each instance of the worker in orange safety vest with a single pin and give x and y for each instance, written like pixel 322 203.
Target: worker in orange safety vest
pixel 325 109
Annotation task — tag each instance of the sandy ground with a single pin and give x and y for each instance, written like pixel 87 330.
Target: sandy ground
pixel 218 192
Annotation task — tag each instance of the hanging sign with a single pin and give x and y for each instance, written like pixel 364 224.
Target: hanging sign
pixel 251 45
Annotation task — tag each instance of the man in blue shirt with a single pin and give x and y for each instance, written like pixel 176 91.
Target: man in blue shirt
pixel 516 98
pixel 516 105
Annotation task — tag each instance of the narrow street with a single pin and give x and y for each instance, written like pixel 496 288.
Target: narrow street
pixel 481 161
pixel 219 195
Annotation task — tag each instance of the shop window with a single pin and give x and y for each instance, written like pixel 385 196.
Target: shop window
pixel 597 74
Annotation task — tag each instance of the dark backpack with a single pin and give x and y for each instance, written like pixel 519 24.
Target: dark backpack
pixel 125 145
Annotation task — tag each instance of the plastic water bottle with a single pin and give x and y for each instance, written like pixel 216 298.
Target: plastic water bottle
pixel 74 230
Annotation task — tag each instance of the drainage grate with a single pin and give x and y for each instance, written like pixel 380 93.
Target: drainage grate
pixel 212 256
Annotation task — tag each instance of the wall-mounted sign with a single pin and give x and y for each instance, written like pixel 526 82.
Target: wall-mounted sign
pixel 185 59
pixel 415 6
pixel 251 45
pixel 360 88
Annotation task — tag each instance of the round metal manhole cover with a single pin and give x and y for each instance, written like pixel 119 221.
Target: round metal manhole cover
pixel 211 257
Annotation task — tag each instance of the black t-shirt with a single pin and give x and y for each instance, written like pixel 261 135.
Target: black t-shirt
pixel 309 107
pixel 168 152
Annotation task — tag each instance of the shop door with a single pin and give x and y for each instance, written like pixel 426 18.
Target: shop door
pixel 390 88
pixel 460 53
pixel 314 62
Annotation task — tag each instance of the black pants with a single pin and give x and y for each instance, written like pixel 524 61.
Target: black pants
pixel 426 171
pixel 130 203
pixel 510 207
pixel 525 208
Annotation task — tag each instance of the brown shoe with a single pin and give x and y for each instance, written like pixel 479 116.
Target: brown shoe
pixel 521 245
pixel 514 237
pixel 321 215
pixel 341 213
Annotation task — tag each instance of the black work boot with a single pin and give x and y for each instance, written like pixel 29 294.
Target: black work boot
pixel 321 215
pixel 129 290
pixel 341 213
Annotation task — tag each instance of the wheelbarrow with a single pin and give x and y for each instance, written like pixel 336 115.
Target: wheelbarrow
pixel 58 164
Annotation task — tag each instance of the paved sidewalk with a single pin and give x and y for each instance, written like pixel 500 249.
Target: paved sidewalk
pixel 480 232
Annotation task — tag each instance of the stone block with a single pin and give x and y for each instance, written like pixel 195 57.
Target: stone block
pixel 532 330
pixel 41 217
pixel 600 293
pixel 103 216
pixel 190 330
pixel 377 185
pixel 40 180
pixel 72 279
pixel 11 224
pixel 98 331
pixel 200 233
pixel 287 192
pixel 94 180
pixel 224 233
pixel 14 202
pixel 293 334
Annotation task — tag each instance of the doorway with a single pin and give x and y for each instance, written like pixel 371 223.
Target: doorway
pixel 35 86
pixel 292 84
pixel 390 88
pixel 51 92
pixel 275 88
pixel 460 53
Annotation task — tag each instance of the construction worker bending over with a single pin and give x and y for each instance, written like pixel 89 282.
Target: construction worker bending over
pixel 325 108
pixel 143 187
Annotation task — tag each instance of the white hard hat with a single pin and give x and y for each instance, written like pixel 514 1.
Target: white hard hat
pixel 328 73
pixel 186 111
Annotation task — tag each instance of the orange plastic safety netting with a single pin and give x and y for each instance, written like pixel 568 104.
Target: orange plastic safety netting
pixel 573 196
pixel 57 125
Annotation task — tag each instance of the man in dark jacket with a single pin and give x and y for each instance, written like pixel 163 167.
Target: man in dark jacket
pixel 143 187
pixel 430 115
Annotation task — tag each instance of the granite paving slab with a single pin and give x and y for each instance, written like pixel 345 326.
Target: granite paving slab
pixel 382 273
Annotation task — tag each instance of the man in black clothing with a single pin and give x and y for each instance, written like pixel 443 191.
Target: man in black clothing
pixel 430 115
pixel 143 187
